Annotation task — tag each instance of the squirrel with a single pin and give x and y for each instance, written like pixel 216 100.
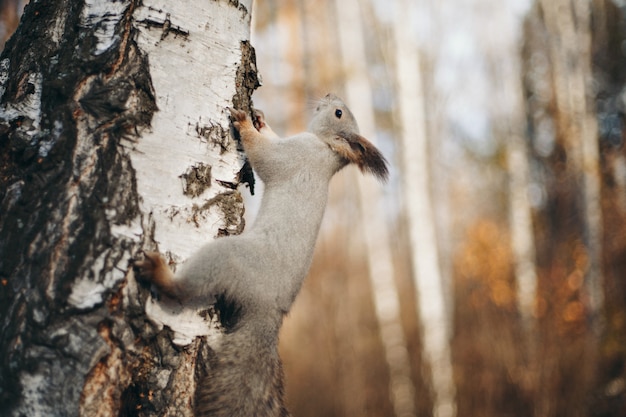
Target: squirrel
pixel 253 278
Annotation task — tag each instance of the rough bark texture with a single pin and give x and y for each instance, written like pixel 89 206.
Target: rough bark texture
pixel 76 96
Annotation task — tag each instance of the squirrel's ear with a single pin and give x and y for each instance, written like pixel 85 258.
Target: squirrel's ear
pixel 360 151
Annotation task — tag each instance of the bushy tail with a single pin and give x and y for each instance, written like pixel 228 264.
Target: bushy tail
pixel 244 377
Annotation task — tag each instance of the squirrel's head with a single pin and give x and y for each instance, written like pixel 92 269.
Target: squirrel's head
pixel 334 123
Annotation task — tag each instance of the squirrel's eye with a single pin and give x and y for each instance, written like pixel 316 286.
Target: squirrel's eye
pixel 338 113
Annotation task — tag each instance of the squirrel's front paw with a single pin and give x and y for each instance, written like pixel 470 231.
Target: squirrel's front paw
pixel 240 119
pixel 259 119
pixel 153 269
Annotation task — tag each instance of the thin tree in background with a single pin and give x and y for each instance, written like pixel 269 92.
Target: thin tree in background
pixel 520 221
pixel 509 116
pixel 381 269
pixel 560 102
pixel 416 187
pixel 568 23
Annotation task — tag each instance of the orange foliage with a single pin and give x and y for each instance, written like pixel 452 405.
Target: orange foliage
pixel 485 268
pixel 488 349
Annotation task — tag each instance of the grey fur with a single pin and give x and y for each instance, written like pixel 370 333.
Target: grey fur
pixel 260 272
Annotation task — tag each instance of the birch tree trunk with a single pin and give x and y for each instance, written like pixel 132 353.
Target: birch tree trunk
pixel 560 100
pixel 569 23
pixel 508 112
pixel 434 317
pixel 377 239
pixel 113 138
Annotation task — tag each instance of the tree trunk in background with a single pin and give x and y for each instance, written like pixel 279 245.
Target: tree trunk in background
pixel 293 48
pixel 568 221
pixel 568 23
pixel 509 112
pixel 522 238
pixel 358 95
pixel 90 173
pixel 433 314
pixel 609 67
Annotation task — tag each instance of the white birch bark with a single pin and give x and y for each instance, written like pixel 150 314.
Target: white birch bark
pixel 193 61
pixel 508 112
pixel 377 240
pixel 104 175
pixel 522 236
pixel 431 302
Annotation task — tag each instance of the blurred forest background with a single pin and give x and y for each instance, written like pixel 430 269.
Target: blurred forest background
pixel 488 277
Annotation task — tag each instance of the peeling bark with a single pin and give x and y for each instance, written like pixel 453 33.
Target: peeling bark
pixel 103 151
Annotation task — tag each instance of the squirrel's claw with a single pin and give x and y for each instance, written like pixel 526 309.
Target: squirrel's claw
pixel 146 266
pixel 237 115
pixel 258 119
pixel 154 269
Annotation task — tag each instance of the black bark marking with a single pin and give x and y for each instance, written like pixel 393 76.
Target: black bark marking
pixel 215 135
pixel 165 25
pixel 196 179
pixel 247 81
pixel 230 203
pixel 247 78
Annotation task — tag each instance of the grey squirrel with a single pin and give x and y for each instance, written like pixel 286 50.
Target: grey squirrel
pixel 254 277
